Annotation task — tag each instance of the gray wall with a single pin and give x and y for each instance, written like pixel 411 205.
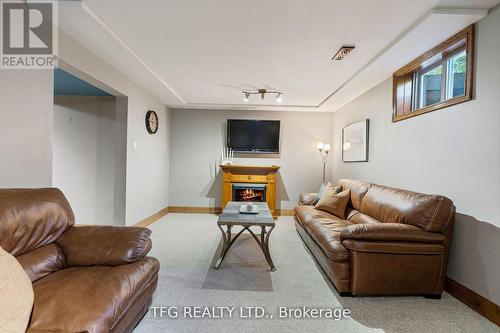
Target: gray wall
pixel 197 138
pixel 26 128
pixel 89 160
pixel 147 156
pixel 453 151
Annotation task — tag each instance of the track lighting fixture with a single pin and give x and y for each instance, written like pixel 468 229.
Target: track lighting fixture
pixel 262 93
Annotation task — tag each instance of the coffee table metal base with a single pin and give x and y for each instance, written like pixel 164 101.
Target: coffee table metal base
pixel 263 242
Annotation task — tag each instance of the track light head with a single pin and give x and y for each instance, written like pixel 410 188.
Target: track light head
pixel 279 98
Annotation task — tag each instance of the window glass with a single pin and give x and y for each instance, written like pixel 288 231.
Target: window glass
pixel 430 86
pixel 456 71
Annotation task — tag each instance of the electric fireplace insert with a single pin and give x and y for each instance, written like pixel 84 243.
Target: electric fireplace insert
pixel 249 192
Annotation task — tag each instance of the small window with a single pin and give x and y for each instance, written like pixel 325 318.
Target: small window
pixel 439 78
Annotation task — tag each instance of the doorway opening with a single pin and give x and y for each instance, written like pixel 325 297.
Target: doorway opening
pixel 89 148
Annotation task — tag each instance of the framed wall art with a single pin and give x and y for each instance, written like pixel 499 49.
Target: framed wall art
pixel 355 142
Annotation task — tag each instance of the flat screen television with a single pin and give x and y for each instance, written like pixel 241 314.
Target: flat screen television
pixel 253 136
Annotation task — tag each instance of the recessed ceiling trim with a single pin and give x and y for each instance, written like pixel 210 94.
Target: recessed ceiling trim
pixel 130 50
pixel 252 105
pixel 247 107
pixel 333 104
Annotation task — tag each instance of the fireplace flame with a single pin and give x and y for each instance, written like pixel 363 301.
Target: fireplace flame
pixel 250 194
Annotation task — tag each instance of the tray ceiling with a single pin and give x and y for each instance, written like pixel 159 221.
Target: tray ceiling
pixel 201 54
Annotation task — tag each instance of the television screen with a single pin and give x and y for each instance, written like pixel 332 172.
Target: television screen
pixel 254 136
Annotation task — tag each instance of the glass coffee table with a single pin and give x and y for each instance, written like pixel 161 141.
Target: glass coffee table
pixel 231 217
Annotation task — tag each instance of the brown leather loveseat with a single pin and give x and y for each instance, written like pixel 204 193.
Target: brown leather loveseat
pixel 85 278
pixel 390 241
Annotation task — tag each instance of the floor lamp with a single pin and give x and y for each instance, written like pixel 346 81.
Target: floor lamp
pixel 324 149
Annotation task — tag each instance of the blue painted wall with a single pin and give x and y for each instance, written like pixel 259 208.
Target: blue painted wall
pixel 67 84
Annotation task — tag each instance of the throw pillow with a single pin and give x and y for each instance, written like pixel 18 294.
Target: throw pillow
pixel 334 203
pixel 338 189
pixel 320 192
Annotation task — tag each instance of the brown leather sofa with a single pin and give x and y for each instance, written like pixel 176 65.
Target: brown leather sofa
pixel 390 241
pixel 85 278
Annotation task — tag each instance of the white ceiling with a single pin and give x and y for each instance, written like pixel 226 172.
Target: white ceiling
pixel 201 54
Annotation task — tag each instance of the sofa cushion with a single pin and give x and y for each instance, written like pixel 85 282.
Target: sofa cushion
pixel 358 190
pixel 307 198
pixel 395 248
pixel 429 212
pixel 338 271
pixel 325 229
pixel 326 232
pixel 90 245
pixel 306 213
pixel 42 261
pixel 360 218
pixel 31 218
pixel 92 299
pixel 333 202
pixel 391 232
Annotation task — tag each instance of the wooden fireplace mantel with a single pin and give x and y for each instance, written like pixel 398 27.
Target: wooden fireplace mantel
pixel 265 175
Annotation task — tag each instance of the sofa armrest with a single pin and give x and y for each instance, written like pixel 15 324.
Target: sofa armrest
pixel 307 199
pixel 390 232
pixel 85 245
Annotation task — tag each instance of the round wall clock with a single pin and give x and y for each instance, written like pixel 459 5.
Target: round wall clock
pixel 151 122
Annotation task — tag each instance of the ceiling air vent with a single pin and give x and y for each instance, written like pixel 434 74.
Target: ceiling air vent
pixel 343 51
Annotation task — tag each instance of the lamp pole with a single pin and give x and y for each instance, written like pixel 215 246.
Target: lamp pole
pixel 324 149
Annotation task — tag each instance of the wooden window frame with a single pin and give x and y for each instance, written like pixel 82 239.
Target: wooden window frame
pixel 406 81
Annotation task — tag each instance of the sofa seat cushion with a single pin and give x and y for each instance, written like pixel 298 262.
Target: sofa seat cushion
pixel 307 213
pixel 326 232
pixel 89 299
pixel 325 229
pixel 357 217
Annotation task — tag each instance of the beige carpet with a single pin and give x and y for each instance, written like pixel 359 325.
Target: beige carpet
pixel 187 244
